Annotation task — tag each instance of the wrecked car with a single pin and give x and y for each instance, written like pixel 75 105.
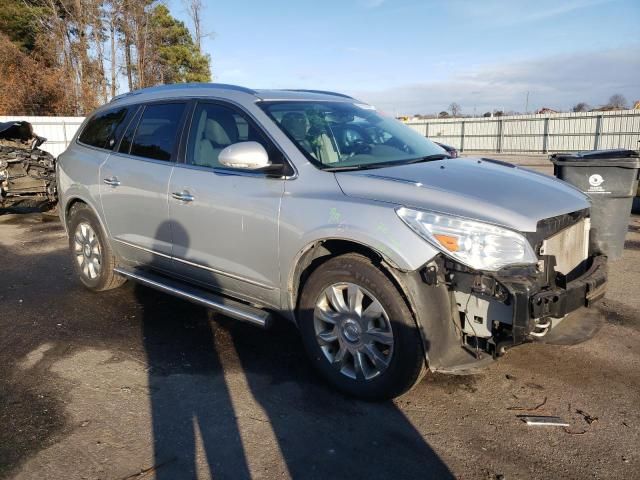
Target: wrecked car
pixel 313 206
pixel 27 173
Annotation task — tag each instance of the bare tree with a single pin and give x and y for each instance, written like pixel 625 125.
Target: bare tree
pixel 96 22
pixel 113 21
pixel 581 107
pixel 194 10
pixel 128 57
pixel 455 109
pixel 617 101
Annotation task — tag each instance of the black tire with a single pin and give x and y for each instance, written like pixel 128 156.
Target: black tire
pixel 407 363
pixel 107 279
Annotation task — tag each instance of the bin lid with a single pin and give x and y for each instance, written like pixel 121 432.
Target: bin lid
pixel 617 157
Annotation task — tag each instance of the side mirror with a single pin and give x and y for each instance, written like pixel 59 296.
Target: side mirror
pixel 246 155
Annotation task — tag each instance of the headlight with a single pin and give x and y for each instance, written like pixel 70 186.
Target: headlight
pixel 481 246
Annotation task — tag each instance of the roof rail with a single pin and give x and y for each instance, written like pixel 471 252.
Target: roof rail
pixel 180 86
pixel 323 92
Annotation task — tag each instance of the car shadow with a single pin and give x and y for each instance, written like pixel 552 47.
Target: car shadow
pixel 319 432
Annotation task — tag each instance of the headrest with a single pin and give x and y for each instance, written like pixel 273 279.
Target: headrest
pixel 222 129
pixel 295 123
pixel 213 131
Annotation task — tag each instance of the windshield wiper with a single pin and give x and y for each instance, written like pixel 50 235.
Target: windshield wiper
pixel 346 168
pixel 429 158
pixel 369 166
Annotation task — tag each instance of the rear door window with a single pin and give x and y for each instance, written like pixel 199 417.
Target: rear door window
pixel 156 135
pixel 102 129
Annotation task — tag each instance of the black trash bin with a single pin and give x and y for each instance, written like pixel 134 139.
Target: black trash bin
pixel 610 178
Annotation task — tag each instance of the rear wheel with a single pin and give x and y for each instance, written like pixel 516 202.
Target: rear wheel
pixel 92 257
pixel 358 330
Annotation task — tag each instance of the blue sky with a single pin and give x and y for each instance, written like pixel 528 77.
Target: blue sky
pixel 410 56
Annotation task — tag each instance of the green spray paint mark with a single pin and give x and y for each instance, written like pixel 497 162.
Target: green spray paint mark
pixel 334 215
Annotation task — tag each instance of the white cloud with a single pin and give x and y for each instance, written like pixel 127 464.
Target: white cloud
pixel 558 81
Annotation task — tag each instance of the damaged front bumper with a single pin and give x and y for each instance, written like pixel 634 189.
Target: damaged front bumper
pixel 496 311
pixel 537 310
pixel 492 312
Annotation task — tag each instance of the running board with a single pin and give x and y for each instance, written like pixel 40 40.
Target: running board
pixel 231 308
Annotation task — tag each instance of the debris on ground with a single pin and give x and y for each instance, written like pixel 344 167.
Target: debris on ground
pixel 526 409
pixel 145 471
pixel 587 418
pixel 534 386
pixel 494 476
pixel 543 420
pixel 26 171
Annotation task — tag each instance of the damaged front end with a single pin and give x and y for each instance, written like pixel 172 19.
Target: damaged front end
pixel 514 305
pixel 492 311
pixel 27 173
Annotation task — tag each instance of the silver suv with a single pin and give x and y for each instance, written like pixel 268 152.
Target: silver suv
pixel 390 257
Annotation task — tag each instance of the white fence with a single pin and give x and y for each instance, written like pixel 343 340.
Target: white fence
pixel 57 130
pixel 558 132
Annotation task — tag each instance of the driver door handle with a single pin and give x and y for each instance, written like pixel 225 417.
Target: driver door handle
pixel 113 181
pixel 183 196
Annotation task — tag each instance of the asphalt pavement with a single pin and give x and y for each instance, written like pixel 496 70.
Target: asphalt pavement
pixel 133 384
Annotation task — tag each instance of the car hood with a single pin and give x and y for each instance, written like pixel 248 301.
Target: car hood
pixel 484 190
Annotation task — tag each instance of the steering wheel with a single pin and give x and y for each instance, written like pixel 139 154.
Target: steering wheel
pixel 395 143
pixel 358 146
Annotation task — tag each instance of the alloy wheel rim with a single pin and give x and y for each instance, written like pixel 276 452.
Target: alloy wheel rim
pixel 353 331
pixel 87 251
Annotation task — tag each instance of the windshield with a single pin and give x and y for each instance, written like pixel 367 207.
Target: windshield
pixel 344 136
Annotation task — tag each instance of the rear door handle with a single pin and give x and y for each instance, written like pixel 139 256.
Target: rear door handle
pixel 113 181
pixel 183 196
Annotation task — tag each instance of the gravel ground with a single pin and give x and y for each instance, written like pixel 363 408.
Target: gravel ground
pixel 92 384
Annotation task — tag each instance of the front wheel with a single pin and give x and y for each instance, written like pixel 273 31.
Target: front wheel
pixel 358 330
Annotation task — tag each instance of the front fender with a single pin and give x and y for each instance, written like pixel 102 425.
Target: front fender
pixel 369 223
pixel 372 225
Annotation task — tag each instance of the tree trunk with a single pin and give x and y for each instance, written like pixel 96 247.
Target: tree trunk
pixel 99 76
pixel 194 8
pixel 112 40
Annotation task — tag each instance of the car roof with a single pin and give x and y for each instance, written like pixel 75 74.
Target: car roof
pixel 221 90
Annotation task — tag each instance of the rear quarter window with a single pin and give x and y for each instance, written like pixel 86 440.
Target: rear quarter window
pixel 101 130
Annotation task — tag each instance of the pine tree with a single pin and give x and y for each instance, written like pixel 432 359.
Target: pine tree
pixel 176 58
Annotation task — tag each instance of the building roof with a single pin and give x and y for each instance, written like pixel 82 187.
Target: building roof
pixel 547 110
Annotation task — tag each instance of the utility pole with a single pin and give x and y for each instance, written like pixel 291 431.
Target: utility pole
pixel 526 105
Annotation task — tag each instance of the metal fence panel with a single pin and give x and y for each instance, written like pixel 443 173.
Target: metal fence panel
pixel 523 136
pixel 561 132
pixel 620 132
pixel 481 135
